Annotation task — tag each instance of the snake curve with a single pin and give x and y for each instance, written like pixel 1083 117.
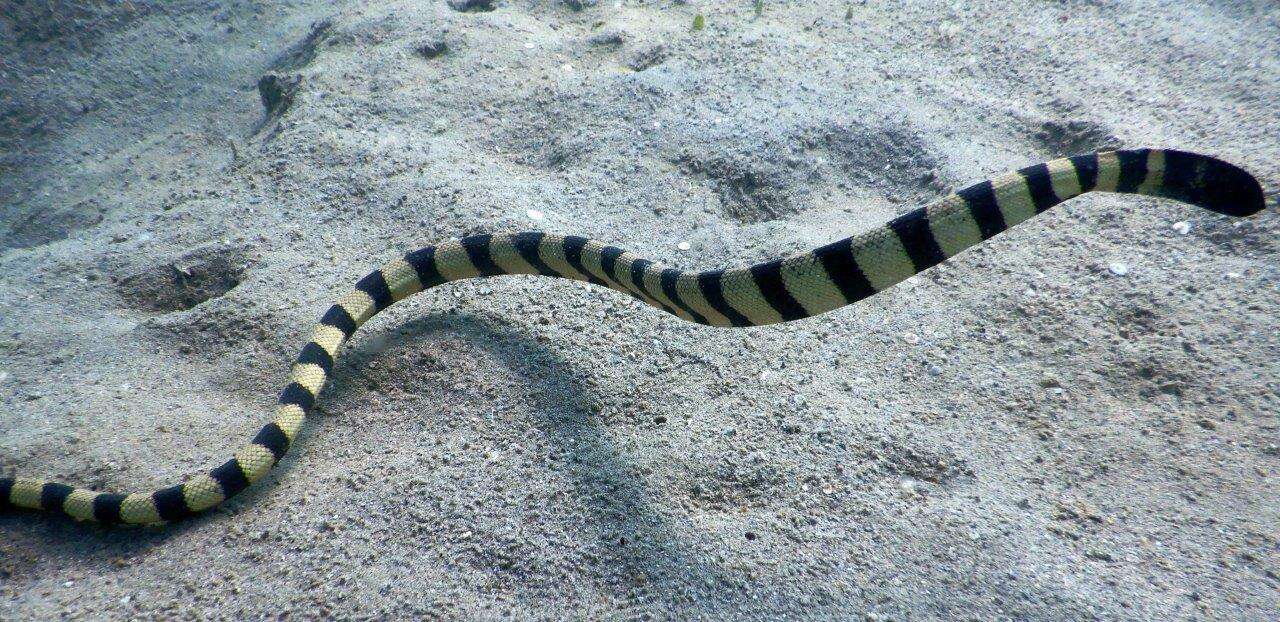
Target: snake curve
pixel 800 286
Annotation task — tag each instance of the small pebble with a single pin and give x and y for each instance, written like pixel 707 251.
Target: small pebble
pixel 1118 268
pixel 684 246
pixel 535 214
pixel 911 338
pixel 1182 227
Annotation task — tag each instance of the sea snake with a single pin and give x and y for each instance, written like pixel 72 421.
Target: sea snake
pixel 781 290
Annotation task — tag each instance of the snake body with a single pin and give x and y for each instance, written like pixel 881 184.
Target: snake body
pixel 800 286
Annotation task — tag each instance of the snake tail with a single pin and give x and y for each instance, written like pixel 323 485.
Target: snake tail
pixel 799 286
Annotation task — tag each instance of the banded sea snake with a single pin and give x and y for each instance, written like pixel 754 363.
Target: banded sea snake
pixel 799 286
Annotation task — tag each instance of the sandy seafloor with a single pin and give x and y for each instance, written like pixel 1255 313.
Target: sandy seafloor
pixel 1023 433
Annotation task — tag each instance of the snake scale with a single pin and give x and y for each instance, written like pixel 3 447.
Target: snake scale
pixel 781 290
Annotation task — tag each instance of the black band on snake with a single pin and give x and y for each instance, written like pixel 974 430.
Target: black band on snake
pixel 782 290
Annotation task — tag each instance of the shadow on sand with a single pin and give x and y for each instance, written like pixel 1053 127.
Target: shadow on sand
pixel 640 557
